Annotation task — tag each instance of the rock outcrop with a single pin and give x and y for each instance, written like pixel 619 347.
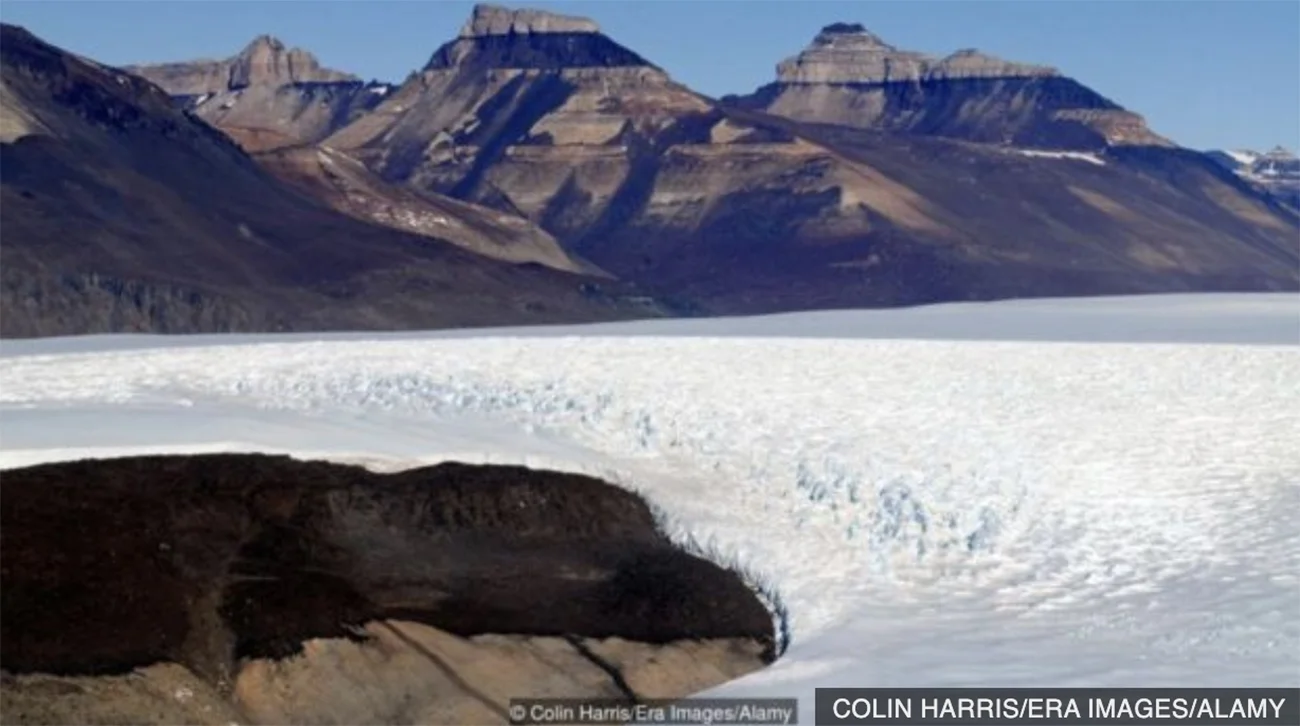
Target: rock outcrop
pixel 847 53
pixel 523 39
pixel 266 61
pixel 306 592
pixel 263 62
pixel 849 76
pixel 122 213
pixel 488 20
pixel 269 86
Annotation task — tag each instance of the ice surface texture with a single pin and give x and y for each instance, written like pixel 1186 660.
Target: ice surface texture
pixel 931 512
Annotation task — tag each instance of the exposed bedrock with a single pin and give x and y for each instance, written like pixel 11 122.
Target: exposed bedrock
pixel 262 589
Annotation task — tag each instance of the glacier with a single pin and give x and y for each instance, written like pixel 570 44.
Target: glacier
pixel 1093 492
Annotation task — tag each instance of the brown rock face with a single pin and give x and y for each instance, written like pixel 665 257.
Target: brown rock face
pixel 313 593
pixel 390 672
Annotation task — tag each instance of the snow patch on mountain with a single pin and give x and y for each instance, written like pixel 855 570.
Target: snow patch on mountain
pixel 1245 158
pixel 1089 157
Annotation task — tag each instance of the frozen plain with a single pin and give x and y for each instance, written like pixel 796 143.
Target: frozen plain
pixel 1033 493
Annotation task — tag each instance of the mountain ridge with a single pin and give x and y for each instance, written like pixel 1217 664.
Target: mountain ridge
pixel 733 208
pixel 265 60
pixel 103 177
pixel 267 85
pixel 848 75
pixel 1275 172
pixel 755 212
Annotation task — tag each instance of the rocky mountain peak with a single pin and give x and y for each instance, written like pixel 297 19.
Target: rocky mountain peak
pixel 497 37
pixel 848 53
pixel 266 61
pixel 262 44
pixel 847 36
pixel 488 20
pixel 971 63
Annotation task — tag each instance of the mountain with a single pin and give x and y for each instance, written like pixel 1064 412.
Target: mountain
pixel 849 76
pixel 123 213
pixel 267 86
pixel 276 102
pixel 725 208
pixel 1275 172
pixel 745 211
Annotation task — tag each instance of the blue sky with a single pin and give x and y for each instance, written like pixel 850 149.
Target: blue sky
pixel 1222 74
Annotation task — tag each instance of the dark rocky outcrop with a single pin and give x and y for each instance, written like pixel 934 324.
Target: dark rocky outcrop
pixel 219 562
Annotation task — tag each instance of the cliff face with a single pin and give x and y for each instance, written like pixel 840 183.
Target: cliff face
pixel 849 76
pixel 306 592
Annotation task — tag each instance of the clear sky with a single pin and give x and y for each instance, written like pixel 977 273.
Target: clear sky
pixel 1208 74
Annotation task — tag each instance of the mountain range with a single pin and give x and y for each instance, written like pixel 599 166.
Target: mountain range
pixel 535 170
pixel 1276 172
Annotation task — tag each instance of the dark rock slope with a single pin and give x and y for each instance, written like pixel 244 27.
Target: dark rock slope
pixel 124 214
pixel 217 563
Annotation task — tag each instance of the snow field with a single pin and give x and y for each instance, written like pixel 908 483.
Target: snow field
pixel 930 512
